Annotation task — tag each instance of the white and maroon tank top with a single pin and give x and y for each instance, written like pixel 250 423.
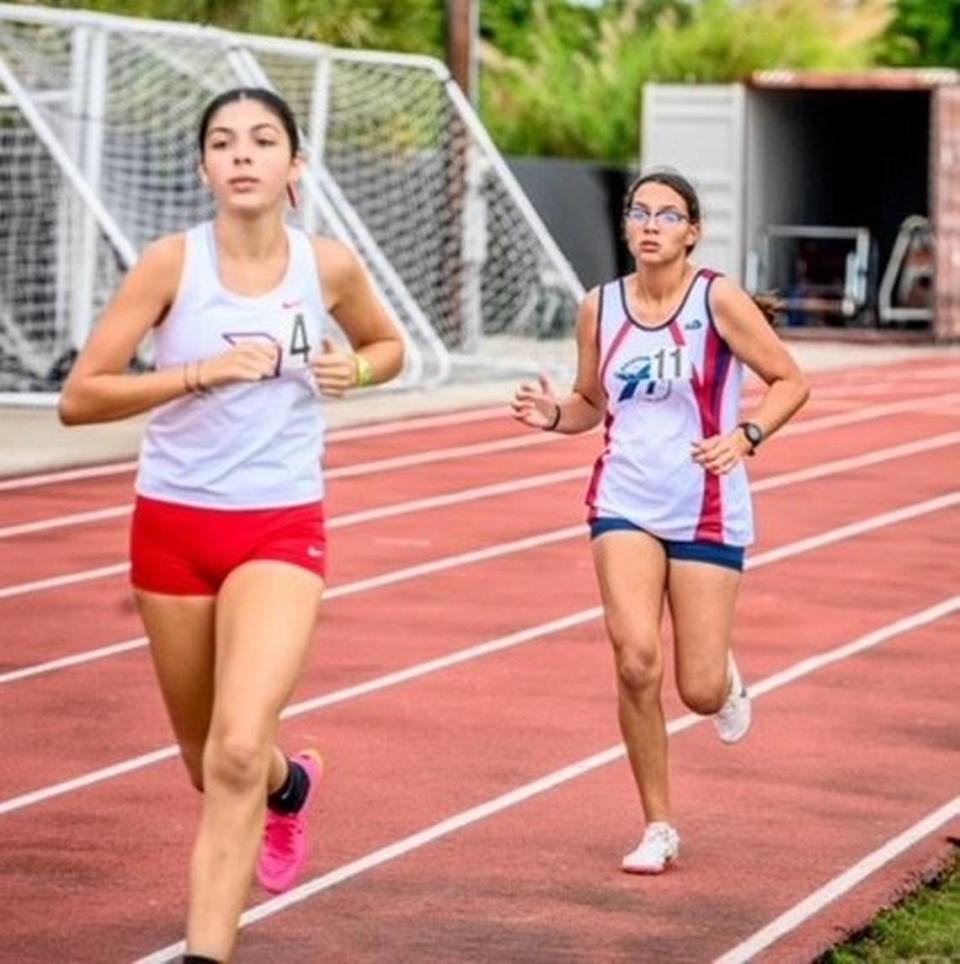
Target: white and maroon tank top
pixel 668 386
pixel 246 445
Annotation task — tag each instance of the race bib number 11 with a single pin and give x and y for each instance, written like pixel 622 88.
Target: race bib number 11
pixel 671 364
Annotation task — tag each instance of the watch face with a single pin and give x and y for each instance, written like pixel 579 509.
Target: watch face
pixel 753 433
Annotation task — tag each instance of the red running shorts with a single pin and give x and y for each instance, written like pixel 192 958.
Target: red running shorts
pixel 182 550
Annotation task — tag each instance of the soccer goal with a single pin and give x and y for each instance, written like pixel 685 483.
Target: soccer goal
pixel 98 122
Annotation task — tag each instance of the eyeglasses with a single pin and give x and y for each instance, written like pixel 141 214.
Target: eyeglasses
pixel 667 217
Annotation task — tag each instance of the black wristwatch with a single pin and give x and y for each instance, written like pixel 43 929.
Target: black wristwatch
pixel 754 434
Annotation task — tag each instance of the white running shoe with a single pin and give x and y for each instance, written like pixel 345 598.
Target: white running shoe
pixel 733 719
pixel 659 848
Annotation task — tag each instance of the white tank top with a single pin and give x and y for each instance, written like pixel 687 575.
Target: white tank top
pixel 666 387
pixel 246 445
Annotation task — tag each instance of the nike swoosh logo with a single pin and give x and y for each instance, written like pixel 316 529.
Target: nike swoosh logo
pixel 290 304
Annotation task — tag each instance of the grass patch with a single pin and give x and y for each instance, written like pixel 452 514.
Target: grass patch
pixel 924 926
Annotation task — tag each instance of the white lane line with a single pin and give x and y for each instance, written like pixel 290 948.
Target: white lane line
pixel 936 373
pixel 500 488
pixel 67 475
pixel 62 521
pixel 844 532
pixel 344 472
pixel 763 485
pixel 499 445
pixel 398 426
pixel 869 374
pixel 840 885
pixel 521 794
pixel 854 462
pixel 460 559
pixel 865 415
pixel 336 435
pixel 460 496
pixel 394 427
pixel 78 783
pixel 892 386
pixel 318 702
pixel 766 558
pixel 68 579
pixel 831 405
pixel 77 659
pixel 441 662
pixel 445 455
pixel 347 589
pixel 381 512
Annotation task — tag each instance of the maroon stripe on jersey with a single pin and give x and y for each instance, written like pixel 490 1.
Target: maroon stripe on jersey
pixel 709 394
pixel 614 345
pixel 591 497
pixel 598 333
pixel 708 391
pixel 678 338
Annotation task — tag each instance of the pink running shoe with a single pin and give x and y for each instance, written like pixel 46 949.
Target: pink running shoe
pixel 284 849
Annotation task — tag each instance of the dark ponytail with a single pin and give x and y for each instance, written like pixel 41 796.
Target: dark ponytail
pixel 769 305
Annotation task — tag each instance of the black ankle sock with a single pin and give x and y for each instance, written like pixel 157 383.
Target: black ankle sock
pixel 199 959
pixel 289 797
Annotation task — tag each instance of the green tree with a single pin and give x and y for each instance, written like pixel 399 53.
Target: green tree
pixel 581 96
pixel 411 26
pixel 922 34
pixel 566 80
pixel 415 26
pixel 511 26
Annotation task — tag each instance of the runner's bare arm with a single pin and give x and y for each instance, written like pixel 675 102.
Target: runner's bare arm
pixel 376 341
pixel 99 388
pixel 749 335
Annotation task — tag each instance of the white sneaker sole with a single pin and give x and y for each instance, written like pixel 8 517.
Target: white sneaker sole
pixel 647 870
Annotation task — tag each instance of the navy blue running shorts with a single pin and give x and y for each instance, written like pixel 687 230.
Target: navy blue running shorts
pixel 697 550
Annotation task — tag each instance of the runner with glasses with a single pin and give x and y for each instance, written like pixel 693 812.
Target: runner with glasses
pixel 660 360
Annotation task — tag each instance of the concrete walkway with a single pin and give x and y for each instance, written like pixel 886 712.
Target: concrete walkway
pixel 32 439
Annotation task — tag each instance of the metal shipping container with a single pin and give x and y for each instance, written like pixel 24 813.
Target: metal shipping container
pixel 854 174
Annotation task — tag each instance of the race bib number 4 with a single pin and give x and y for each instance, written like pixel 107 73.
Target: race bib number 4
pixel 293 356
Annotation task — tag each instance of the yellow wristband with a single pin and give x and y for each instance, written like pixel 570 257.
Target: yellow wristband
pixel 364 370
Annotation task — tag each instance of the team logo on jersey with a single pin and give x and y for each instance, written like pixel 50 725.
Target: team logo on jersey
pixel 638 383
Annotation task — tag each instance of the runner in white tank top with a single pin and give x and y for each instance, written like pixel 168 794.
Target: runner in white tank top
pixel 247 445
pixel 660 357
pixel 667 386
pixel 227 539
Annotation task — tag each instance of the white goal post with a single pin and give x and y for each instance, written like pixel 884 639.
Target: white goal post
pixel 98 157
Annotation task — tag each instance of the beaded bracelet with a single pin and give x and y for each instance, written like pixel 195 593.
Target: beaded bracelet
pixel 197 387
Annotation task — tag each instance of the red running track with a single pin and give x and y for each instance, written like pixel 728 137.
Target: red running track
pixel 848 751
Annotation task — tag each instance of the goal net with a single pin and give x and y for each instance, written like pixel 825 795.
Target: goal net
pixel 98 119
